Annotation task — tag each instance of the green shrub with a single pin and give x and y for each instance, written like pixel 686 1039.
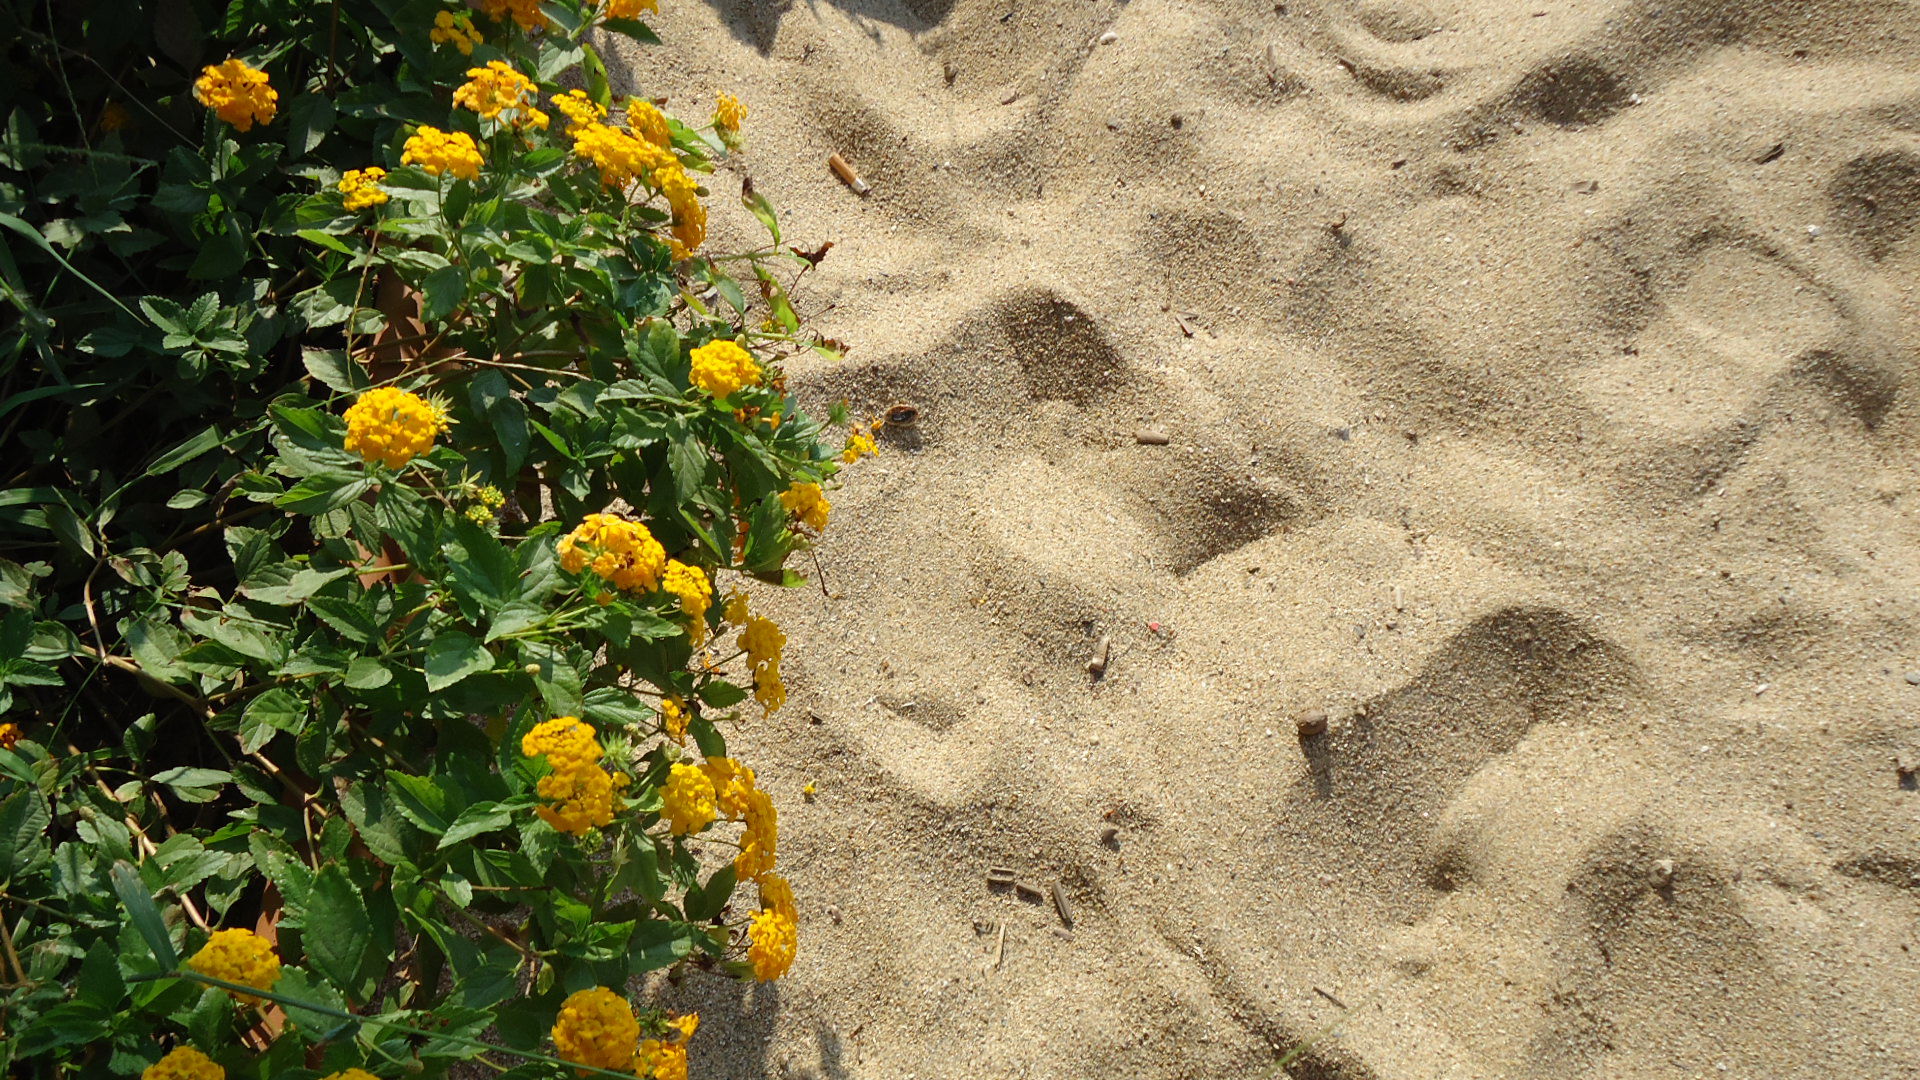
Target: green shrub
pixel 377 433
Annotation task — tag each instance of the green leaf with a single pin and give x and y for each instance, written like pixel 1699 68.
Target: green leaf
pixel 688 460
pixel 595 71
pixel 506 414
pixel 421 801
pixel 348 619
pixel 144 914
pixel 483 575
pixel 443 291
pixel 309 119
pixel 634 29
pixel 705 902
pixel 334 369
pixel 188 778
pixel 315 1025
pixel 454 656
pixel 761 208
pixel 275 710
pixel 24 847
pixel 324 491
pixel 404 515
pixel 722 694
pixel 337 934
pixel 658 943
pixel 367 673
pixel 185 452
pixel 614 707
pixel 474 820
pixel 100 983
pixel 325 240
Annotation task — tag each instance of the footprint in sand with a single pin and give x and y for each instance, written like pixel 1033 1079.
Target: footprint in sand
pixel 1716 342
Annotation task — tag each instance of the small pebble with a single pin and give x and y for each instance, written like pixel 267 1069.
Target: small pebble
pixel 1110 835
pixel 1109 38
pixel 833 912
pixel 1061 905
pixel 1063 933
pixel 1151 437
pixel 1312 723
pixel 1913 678
pixel 1029 892
pixel 1662 872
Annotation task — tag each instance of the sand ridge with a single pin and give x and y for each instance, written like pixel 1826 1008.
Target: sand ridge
pixel 1539 383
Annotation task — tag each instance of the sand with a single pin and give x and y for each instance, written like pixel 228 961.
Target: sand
pixel 1538 383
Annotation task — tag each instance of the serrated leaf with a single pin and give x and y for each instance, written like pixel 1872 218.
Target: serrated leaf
pixel 442 292
pixel 483 575
pixel 334 369
pixel 337 934
pixel 611 706
pixel 453 656
pixel 348 619
pixel 24 847
pixel 324 491
pixel 100 983
pixel 273 711
pixel 474 820
pixel 421 801
pixel 367 673
pixel 318 1026
pixel 658 943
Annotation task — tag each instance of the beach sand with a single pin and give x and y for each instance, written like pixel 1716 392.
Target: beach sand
pixel 1538 389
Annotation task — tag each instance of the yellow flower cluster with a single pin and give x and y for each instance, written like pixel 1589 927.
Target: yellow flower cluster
pixel 496 88
pixel 238 956
pixel 648 122
pixel 620 157
pixel 723 367
pixel 688 801
pixel 666 1059
pixel 732 783
pixel 362 188
pixel 393 426
pixel 442 152
pixel 184 1063
pixel 456 29
pixel 579 109
pixel 689 226
pixel 237 94
pixel 759 844
pixel 9 735
pixel 774 935
pixel 524 12
pixel 763 641
pixel 690 584
pixel 728 113
pixel 350 1074
pixel 596 1028
pixel 623 553
pixel 859 445
pixel 629 9
pixel 805 502
pixel 579 792
pixel 673 719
